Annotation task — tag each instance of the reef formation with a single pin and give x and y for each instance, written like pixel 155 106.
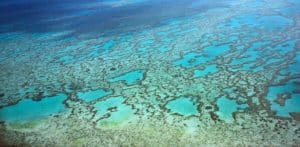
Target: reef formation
pixel 229 75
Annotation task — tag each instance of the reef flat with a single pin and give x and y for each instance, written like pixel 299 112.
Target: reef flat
pixel 204 73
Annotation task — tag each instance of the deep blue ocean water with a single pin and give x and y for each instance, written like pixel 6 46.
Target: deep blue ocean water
pixel 149 73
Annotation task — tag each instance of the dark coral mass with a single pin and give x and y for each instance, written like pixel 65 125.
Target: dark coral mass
pixel 149 73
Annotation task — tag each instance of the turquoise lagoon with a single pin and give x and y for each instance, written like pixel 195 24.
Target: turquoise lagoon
pixel 149 73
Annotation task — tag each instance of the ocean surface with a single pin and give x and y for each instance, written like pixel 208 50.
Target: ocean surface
pixel 150 73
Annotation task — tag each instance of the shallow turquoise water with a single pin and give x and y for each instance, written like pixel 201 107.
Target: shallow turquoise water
pixel 158 73
pixel 227 107
pixel 28 110
pixel 93 95
pixel 182 106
